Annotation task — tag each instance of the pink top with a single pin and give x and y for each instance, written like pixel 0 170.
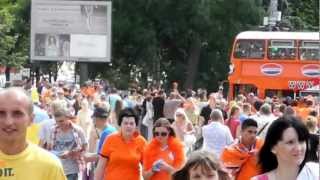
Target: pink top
pixel 233 124
pixel 262 177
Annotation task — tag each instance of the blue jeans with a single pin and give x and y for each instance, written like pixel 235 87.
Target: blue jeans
pixel 72 176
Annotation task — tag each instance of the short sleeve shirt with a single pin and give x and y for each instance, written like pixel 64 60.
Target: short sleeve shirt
pixel 105 133
pixel 33 163
pixel 65 141
pixel 124 158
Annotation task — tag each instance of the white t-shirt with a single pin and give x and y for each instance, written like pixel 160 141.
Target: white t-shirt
pixel 216 136
pixel 45 127
pixel 310 171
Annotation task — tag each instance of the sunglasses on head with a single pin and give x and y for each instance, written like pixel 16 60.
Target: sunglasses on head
pixel 163 134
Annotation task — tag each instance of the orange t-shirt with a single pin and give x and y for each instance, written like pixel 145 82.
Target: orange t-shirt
pixel 173 155
pixel 123 157
pixel 88 91
pixel 303 112
pixel 237 156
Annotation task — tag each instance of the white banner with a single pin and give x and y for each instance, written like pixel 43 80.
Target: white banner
pixel 15 76
pixel 88 46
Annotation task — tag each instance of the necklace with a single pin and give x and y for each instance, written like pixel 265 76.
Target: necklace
pixel 164 147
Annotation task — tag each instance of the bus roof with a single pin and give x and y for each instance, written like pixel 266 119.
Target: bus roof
pixel 278 35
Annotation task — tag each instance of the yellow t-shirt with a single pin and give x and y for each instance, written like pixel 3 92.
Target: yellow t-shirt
pixel 33 163
pixel 33 133
pixel 35 95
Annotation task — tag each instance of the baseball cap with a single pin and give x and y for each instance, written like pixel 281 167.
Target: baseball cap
pixel 100 112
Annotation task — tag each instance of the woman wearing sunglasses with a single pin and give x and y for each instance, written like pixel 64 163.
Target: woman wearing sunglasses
pixel 164 154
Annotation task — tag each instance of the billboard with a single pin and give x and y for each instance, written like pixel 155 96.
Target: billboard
pixel 63 30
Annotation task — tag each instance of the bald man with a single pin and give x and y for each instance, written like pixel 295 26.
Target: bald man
pixel 19 159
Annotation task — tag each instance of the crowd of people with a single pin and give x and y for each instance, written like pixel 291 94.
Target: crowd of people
pixel 55 131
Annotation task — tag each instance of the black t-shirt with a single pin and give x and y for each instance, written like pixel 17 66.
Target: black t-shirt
pixel 158 104
pixel 314 143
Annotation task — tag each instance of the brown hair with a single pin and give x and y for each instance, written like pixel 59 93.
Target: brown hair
pixel 206 160
pixel 163 122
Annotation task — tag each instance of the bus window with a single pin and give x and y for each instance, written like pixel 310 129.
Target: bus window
pixel 309 50
pixel 252 49
pixel 244 89
pixel 281 49
pixel 315 93
pixel 279 93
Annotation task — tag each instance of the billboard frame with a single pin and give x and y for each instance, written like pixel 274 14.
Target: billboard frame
pixel 35 33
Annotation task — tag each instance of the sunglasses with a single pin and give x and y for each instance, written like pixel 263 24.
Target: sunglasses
pixel 163 134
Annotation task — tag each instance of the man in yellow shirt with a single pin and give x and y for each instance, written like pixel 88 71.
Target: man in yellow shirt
pixel 20 160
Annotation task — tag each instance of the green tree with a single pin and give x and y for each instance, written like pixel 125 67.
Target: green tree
pixel 14 33
pixel 298 15
pixel 6 25
pixel 303 14
pixel 187 40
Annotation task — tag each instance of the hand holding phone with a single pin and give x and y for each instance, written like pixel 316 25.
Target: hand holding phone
pixel 156 165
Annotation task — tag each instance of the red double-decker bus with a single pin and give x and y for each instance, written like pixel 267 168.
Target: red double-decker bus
pixel 274 63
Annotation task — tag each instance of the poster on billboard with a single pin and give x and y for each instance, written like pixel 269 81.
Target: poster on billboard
pixel 63 30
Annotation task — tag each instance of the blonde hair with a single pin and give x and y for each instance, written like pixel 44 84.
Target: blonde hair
pixel 181 111
pixel 233 110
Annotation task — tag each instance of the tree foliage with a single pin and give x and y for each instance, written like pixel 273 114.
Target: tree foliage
pixel 304 14
pixel 168 40
pixel 14 32
pixel 299 15
pixel 188 41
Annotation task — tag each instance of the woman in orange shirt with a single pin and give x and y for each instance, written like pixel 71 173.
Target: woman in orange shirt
pixel 165 153
pixel 121 153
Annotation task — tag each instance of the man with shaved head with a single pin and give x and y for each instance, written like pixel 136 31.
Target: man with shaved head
pixel 215 134
pixel 20 159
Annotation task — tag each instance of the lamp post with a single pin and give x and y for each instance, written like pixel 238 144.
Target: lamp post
pixel 272 13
